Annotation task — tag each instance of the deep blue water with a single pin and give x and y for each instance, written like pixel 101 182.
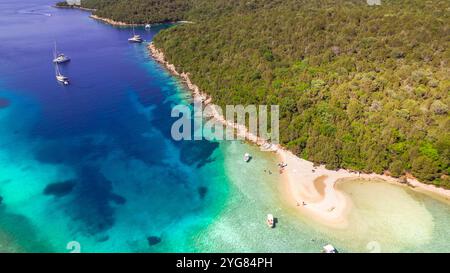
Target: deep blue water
pixel 94 162
pixel 103 142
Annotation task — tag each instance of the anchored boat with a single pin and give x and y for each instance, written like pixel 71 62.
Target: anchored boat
pixel 270 221
pixel 136 38
pixel 60 77
pixel 329 249
pixel 247 157
pixel 59 58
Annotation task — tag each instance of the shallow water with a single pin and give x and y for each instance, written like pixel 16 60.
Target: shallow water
pixel 393 218
pixel 116 176
pixel 107 135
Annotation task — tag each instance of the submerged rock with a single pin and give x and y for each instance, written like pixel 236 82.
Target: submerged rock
pixel 117 199
pixel 1 200
pixel 153 240
pixel 202 191
pixel 101 238
pixel 60 189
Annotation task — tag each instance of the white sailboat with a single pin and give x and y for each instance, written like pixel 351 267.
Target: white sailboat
pixel 59 58
pixel 136 38
pixel 60 77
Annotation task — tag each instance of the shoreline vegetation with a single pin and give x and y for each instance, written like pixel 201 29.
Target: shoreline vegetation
pixel 64 5
pixel 417 86
pixel 123 24
pixel 111 22
pixel 301 176
pixel 116 23
pixel 355 91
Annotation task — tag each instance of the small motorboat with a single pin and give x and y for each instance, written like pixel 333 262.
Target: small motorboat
pixel 329 249
pixel 247 157
pixel 148 27
pixel 270 221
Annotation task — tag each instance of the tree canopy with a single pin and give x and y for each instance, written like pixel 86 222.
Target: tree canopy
pixel 359 87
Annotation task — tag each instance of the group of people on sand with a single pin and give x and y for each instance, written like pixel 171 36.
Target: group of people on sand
pixel 282 165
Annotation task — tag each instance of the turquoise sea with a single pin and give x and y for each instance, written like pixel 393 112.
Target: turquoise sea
pixel 94 162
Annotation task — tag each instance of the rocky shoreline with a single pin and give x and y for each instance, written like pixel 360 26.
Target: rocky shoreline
pixel 198 95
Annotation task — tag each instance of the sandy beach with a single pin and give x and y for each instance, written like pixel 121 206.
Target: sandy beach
pixel 312 189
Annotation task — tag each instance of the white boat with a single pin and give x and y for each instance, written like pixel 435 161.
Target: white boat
pixel 148 26
pixel 247 157
pixel 270 221
pixel 60 77
pixel 329 249
pixel 136 38
pixel 59 58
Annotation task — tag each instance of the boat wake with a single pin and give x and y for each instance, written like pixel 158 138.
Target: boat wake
pixel 34 12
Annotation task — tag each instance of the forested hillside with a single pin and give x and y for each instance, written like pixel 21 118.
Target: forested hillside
pixel 360 87
pixel 140 11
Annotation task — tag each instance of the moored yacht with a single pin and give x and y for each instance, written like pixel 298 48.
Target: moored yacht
pixel 60 77
pixel 136 38
pixel 59 58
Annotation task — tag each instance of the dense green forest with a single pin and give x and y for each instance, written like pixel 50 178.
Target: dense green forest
pixel 360 87
pixel 137 11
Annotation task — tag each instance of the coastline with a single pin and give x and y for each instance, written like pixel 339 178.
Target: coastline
pixel 123 24
pixel 73 7
pixel 111 22
pixel 330 208
pixel 95 17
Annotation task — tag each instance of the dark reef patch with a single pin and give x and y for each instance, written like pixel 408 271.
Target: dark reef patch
pixel 101 238
pixel 197 154
pixel 71 151
pixel 60 189
pixel 153 240
pixel 4 103
pixel 202 191
pixel 117 199
pixel 1 200
pixel 91 202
